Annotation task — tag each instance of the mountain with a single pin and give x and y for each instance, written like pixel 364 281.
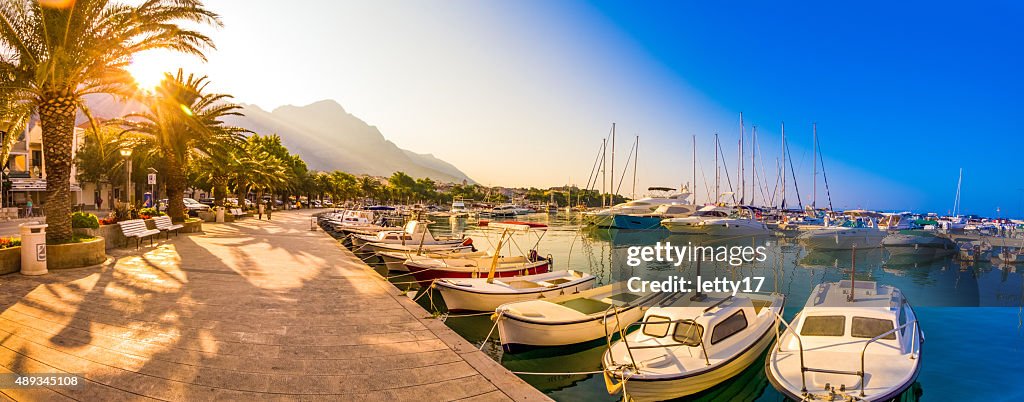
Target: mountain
pixel 326 136
pixel 329 138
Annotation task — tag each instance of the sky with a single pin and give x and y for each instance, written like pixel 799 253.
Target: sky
pixel 522 93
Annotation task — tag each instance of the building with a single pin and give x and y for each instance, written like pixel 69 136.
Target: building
pixel 26 170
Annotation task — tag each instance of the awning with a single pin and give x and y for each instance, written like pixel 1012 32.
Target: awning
pixel 23 185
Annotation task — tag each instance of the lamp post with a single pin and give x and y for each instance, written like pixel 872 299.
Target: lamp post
pixel 126 152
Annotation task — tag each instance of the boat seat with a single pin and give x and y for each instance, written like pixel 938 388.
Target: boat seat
pixel 523 284
pixel 586 306
pixel 559 281
pixel 620 299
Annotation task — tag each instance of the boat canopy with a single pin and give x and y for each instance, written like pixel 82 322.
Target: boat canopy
pixel 379 208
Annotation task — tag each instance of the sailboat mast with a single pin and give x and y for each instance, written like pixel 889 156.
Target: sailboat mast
pixel 611 186
pixel 753 165
pixel 742 172
pixel 694 159
pixel 716 169
pixel 635 157
pixel 814 161
pixel 604 174
pixel 783 165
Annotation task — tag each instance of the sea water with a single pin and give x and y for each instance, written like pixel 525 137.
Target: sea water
pixel 971 313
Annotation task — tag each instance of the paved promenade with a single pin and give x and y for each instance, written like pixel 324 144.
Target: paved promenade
pixel 253 310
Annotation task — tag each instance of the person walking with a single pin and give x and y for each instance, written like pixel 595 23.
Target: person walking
pixel 99 203
pixel 270 207
pixel 28 209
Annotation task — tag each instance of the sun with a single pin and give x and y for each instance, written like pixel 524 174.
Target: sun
pixel 148 68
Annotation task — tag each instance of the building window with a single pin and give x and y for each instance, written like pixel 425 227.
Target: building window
pixel 37 158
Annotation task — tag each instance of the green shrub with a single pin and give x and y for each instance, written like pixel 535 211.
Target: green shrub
pixel 84 220
pixel 150 212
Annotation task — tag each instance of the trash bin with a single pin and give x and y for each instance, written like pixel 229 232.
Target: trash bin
pixel 33 248
pixel 220 214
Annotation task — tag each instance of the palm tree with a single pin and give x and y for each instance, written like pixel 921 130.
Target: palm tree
pixel 51 57
pixel 99 160
pixel 180 120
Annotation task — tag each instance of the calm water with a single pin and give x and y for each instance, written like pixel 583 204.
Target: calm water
pixel 971 314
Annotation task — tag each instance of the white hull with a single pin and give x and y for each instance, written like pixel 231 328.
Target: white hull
pixel 519 329
pixel 733 227
pixel 640 390
pixel 460 297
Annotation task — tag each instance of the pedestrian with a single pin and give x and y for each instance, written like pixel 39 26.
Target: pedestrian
pixel 28 208
pixel 259 210
pixel 99 203
pixel 270 207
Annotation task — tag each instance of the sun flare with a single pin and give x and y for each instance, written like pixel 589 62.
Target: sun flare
pixel 148 68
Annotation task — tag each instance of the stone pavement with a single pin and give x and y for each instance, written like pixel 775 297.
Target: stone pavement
pixel 253 310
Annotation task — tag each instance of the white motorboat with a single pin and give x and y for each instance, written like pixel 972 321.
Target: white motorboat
pixel 486 294
pixel 572 318
pixel 688 343
pixel 378 248
pixel 459 208
pixel 854 340
pixel 415 233
pixel 606 217
pixel 851 234
pixel 736 224
pixel 691 224
pixel 901 221
pixel 395 260
pixel 652 220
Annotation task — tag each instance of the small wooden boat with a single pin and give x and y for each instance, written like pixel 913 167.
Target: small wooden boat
pixel 572 318
pixel 690 342
pixel 486 294
pixel 854 340
pixel 429 269
pixel 395 260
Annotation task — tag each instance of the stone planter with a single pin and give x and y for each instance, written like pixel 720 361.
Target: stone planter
pixel 76 255
pixel 112 234
pixel 195 226
pixel 10 260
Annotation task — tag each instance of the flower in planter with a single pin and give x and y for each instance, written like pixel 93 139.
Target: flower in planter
pixel 8 242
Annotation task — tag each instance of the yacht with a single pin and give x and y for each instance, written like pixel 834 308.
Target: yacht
pixel 854 233
pixel 853 341
pixel 605 218
pixel 652 220
pixel 459 208
pixel 740 223
pixel 688 343
pixel 690 224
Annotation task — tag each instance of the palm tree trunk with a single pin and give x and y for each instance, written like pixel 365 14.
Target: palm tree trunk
pixel 220 191
pixel 175 187
pixel 57 117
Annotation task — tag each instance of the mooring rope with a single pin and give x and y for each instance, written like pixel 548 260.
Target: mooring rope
pixel 493 327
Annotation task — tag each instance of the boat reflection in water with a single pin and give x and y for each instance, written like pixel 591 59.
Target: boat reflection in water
pixel 934 284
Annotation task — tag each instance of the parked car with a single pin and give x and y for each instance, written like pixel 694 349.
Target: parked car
pixel 207 201
pixel 193 206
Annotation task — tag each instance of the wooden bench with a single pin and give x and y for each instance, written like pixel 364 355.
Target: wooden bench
pixel 164 224
pixel 137 228
pixel 236 212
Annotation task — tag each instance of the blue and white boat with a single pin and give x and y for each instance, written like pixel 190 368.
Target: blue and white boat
pixel 605 218
pixel 652 220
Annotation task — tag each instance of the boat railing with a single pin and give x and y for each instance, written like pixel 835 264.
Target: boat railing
pixel 804 369
pixel 629 349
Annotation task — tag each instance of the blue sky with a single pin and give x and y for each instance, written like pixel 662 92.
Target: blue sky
pixel 521 93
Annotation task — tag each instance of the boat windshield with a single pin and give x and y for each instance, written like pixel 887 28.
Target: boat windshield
pixel 688 333
pixel 864 327
pixel 823 325
pixel 717 214
pixel 657 326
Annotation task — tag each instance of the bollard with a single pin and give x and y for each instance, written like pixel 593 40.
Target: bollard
pixel 312 223
pixel 33 248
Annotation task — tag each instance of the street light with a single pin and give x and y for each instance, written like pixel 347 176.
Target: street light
pixel 126 152
pixel 3 186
